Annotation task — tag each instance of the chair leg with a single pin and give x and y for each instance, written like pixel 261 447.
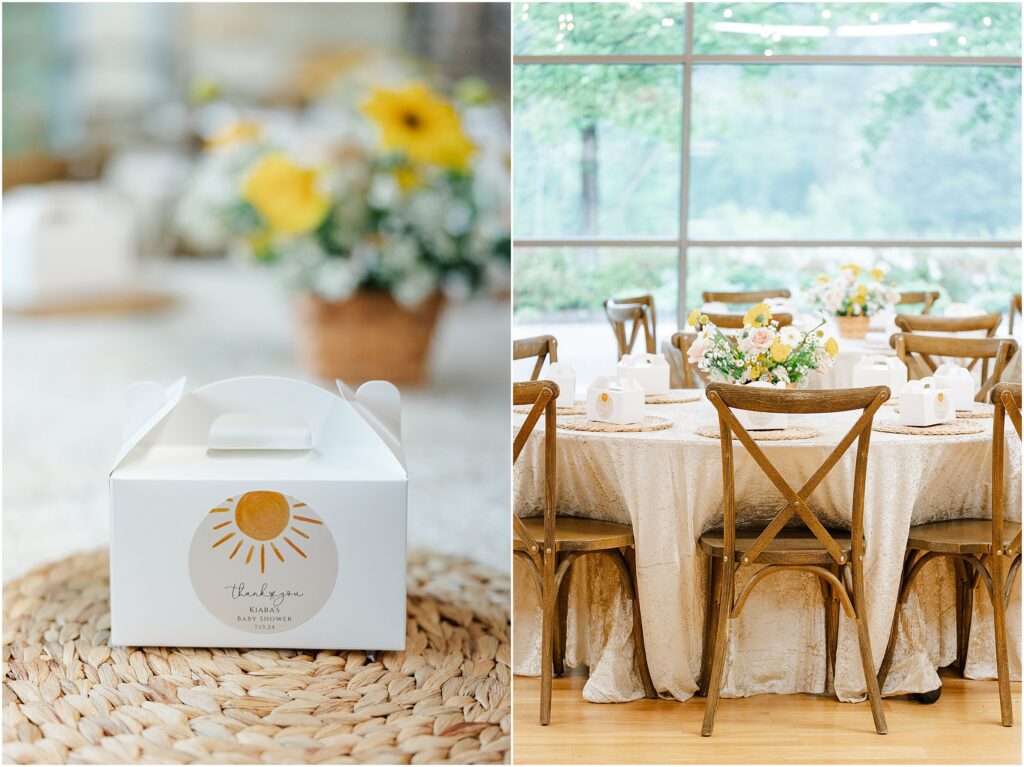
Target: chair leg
pixel 831 633
pixel 864 640
pixel 638 626
pixel 964 610
pixel 710 622
pixel 561 624
pixel 997 569
pixel 718 651
pixel 548 601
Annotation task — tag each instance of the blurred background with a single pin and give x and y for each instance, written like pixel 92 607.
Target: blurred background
pixel 127 133
pixel 671 148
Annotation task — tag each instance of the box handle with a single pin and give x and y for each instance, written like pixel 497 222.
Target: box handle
pixel 260 431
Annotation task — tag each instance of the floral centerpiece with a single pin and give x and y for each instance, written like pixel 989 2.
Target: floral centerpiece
pixel 760 351
pixel 851 300
pixel 375 215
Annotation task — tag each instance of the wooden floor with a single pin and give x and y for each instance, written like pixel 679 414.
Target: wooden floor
pixel 961 728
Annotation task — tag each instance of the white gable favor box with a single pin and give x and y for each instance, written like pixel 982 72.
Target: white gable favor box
pixel 922 403
pixel 562 374
pixel 615 400
pixel 959 382
pixel 649 370
pixel 259 512
pixel 881 370
pixel 756 420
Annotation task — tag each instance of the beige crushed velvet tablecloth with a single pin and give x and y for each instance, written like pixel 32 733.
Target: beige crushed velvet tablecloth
pixel 668 484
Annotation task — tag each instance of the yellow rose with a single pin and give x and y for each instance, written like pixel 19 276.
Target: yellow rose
pixel 285 195
pixel 832 347
pixel 780 351
pixel 856 270
pixel 877 273
pixel 694 318
pixel 758 316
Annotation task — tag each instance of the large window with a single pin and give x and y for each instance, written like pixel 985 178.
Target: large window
pixel 677 148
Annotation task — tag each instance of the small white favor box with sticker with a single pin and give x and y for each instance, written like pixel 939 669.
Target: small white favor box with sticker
pixel 755 420
pixel 562 374
pixel 259 512
pixel 880 370
pixel 923 403
pixel 615 400
pixel 959 382
pixel 649 370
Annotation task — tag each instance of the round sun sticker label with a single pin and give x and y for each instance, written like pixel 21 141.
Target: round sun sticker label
pixel 263 562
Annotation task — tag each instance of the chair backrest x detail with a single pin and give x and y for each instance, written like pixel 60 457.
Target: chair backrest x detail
pixel 918 352
pixel 728 397
pixel 628 316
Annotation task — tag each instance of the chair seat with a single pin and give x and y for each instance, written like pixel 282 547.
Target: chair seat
pixel 792 546
pixel 580 534
pixel 958 536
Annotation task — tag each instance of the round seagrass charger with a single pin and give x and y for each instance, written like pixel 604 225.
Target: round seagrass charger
pixel 69 697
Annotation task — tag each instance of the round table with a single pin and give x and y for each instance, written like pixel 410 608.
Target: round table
pixel 668 485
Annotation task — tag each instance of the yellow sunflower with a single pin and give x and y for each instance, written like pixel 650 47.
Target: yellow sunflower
pixel 285 195
pixel 421 125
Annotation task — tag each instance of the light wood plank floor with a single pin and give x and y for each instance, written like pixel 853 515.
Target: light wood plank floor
pixel 961 728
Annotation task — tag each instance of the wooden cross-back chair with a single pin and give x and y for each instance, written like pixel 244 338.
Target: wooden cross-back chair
pixel 835 558
pixel 918 353
pixel 550 544
pixel 926 298
pixel 743 296
pixel 541 347
pixel 628 316
pixel 982 550
pixel 1015 309
pixel 919 323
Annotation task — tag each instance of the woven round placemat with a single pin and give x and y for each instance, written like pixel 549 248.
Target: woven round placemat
pixel 938 430
pixel 580 423
pixel 981 410
pixel 69 697
pixel 711 431
pixel 673 397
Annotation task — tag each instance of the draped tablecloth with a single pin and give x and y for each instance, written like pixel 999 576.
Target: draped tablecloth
pixel 668 485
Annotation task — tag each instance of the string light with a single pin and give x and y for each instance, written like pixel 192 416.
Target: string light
pixel 666 22
pixel 570 26
pixel 826 14
pixel 767 51
pixel 727 13
pixel 874 17
pixel 933 42
pixel 987 21
pixel 776 38
pixel 962 40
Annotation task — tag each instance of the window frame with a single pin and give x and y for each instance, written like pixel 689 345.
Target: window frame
pixel 687 60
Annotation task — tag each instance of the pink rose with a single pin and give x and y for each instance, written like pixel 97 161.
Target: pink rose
pixel 697 349
pixel 759 339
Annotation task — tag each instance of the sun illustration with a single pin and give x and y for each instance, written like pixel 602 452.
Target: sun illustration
pixel 262 518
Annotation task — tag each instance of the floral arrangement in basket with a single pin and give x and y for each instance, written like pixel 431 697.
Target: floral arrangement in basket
pixel 846 295
pixel 392 194
pixel 760 351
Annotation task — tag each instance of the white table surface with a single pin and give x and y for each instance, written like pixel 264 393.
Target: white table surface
pixel 64 379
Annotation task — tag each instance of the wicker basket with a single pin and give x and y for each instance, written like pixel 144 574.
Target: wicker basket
pixel 370 336
pixel 853 327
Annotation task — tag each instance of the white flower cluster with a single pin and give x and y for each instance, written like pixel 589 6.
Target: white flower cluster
pixel 845 295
